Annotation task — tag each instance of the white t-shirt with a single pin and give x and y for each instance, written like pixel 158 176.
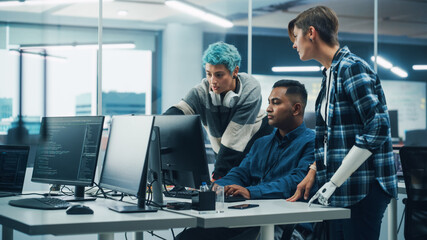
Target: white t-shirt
pixel 329 79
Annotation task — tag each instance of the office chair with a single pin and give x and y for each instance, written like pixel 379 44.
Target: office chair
pixel 414 165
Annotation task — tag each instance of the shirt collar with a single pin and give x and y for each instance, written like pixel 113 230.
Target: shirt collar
pixel 341 53
pixel 291 135
pixel 337 58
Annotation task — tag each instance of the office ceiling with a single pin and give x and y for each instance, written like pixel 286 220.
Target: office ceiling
pixel 399 18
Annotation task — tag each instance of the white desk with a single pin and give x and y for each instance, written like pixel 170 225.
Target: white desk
pixel 103 222
pixel 268 214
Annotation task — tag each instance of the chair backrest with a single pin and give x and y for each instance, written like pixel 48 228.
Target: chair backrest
pixel 414 165
pixel 416 137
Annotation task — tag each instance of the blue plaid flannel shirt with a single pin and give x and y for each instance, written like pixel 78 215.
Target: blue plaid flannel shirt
pixel 358 116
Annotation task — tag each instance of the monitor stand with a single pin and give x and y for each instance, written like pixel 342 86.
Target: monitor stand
pixel 121 208
pixel 79 195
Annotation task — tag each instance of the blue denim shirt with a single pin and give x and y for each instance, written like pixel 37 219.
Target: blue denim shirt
pixel 274 166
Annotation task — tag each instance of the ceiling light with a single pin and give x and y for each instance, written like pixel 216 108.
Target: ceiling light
pixel 382 62
pixel 419 67
pixel 196 11
pixel 296 69
pixel 80 46
pixel 399 72
pixel 122 13
pixel 209 17
pixel 44 2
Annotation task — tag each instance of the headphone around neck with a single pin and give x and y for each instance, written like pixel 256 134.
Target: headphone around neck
pixel 230 99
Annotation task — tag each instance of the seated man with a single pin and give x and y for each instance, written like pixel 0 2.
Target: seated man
pixel 276 163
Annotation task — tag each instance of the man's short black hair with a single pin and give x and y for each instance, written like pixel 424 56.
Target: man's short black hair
pixel 294 88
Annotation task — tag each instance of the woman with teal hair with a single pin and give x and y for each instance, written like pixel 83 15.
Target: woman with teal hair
pixel 229 105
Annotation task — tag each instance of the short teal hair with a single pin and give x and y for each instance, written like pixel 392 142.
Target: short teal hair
pixel 222 53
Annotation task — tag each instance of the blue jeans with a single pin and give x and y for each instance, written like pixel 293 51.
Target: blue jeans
pixel 366 217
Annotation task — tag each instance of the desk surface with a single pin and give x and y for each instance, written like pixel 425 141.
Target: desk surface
pixel 57 222
pixel 276 211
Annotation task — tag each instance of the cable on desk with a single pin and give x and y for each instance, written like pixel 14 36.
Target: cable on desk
pixel 87 190
pixel 149 198
pixel 102 190
pixel 122 195
pixel 157 205
pixel 69 193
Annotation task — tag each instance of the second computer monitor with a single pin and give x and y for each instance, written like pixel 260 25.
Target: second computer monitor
pixel 13 164
pixel 126 159
pixel 67 152
pixel 183 153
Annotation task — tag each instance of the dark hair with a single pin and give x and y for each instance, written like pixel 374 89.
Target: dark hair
pixel 294 88
pixel 322 18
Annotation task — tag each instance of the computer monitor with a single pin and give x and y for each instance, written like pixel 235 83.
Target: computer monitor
pixel 13 164
pixel 394 124
pixel 183 153
pixel 125 164
pixel 67 152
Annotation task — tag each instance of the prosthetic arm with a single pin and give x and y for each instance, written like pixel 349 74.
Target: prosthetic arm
pixel 352 161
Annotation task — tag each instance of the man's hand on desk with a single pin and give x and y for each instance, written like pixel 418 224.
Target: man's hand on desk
pixel 237 190
pixel 304 187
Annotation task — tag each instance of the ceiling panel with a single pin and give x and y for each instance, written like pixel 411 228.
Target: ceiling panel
pixel 136 11
pixel 396 17
pixel 359 8
pixel 29 9
pixel 276 19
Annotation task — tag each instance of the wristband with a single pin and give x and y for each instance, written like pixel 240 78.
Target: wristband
pixel 313 167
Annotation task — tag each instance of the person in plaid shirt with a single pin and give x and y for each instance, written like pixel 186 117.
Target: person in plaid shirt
pixel 353 150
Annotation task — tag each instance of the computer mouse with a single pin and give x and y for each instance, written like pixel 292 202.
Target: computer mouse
pixel 79 209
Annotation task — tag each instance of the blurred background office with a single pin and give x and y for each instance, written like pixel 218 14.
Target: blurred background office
pixel 51 63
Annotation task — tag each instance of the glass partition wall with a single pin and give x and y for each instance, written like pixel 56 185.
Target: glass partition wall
pixel 152 49
pixel 151 53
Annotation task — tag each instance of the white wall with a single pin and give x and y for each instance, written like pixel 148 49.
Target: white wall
pixel 182 62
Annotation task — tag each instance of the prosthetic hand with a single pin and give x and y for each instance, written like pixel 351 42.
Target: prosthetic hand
pixel 324 193
pixel 351 162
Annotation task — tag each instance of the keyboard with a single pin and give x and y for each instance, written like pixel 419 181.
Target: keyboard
pixel 7 194
pixel 40 203
pixel 188 194
pixel 237 198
